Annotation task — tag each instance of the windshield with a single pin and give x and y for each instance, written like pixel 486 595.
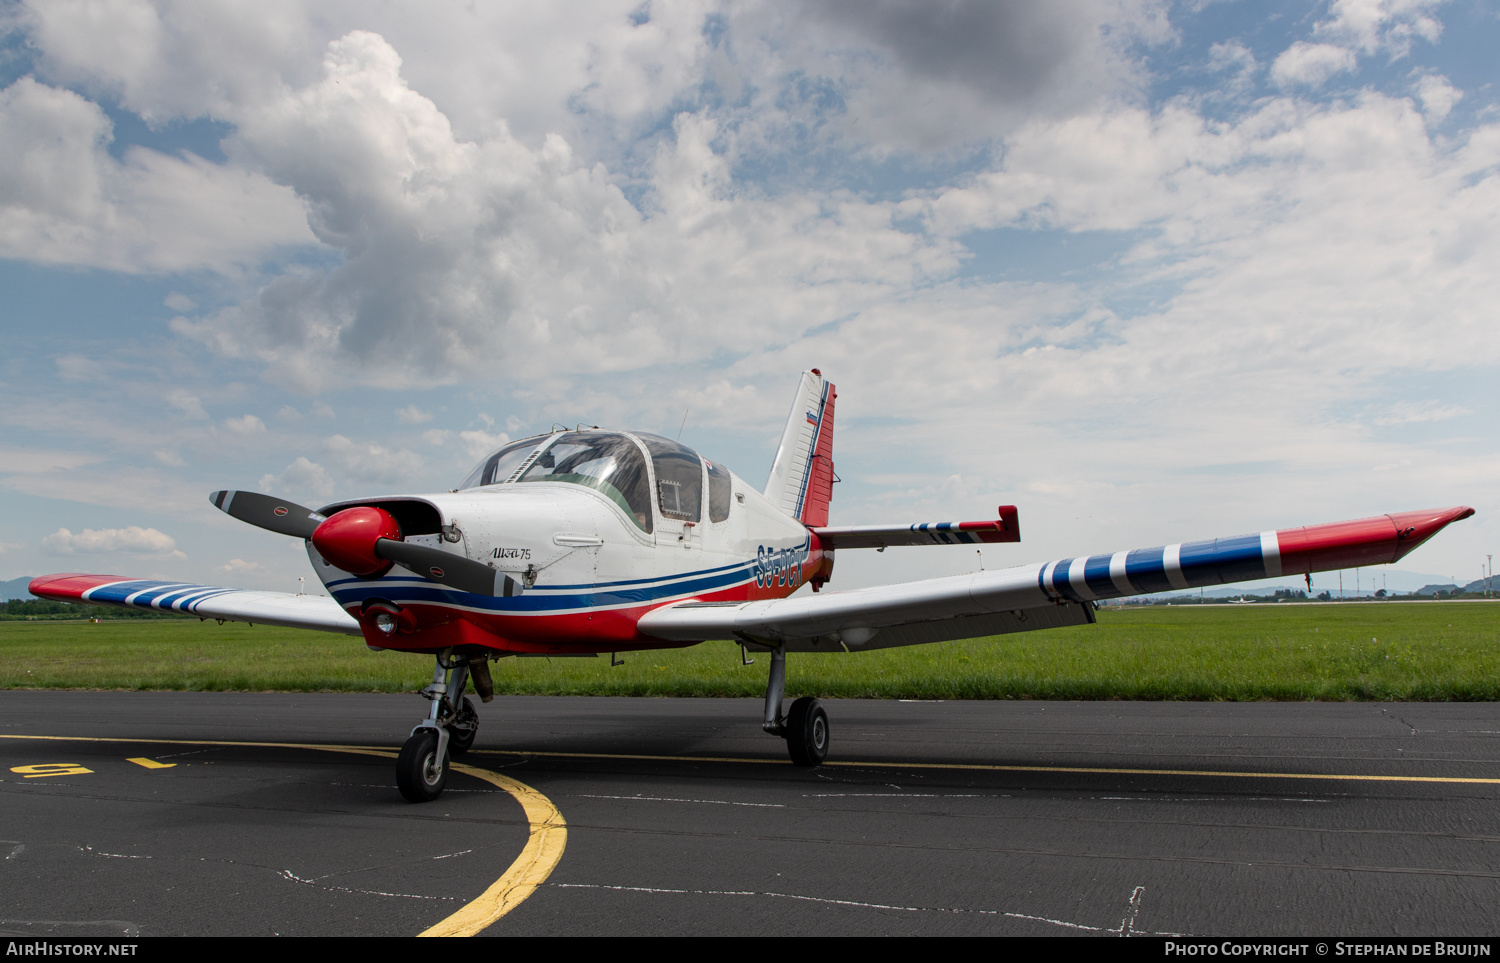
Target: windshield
pixel 601 460
pixel 499 466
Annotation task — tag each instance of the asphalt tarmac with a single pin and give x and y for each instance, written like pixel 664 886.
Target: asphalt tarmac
pixel 214 814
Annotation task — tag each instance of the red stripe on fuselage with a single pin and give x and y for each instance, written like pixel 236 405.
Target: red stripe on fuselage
pixel 592 631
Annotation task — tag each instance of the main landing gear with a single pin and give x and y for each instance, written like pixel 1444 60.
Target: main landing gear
pixel 448 730
pixel 805 728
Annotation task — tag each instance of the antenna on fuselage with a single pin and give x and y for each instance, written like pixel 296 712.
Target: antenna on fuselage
pixel 684 423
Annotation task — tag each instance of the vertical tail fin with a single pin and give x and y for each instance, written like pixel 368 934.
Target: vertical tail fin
pixel 801 481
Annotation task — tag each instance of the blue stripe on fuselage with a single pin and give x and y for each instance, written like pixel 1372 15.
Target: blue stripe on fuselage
pixel 543 599
pixel 580 587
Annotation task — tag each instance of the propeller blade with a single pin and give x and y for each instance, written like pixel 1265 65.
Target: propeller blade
pixel 446 568
pixel 263 511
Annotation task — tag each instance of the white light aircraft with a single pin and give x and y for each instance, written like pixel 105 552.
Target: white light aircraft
pixel 593 541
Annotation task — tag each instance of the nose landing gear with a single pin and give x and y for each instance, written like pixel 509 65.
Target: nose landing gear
pixel 448 730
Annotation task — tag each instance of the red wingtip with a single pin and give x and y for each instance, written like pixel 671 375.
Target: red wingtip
pixel 69 586
pixel 1362 541
pixel 1414 528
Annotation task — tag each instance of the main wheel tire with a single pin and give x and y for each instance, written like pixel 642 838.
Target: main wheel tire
pixel 420 774
pixel 807 732
pixel 460 738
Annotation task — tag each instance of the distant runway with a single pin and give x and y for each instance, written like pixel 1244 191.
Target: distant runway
pixel 220 815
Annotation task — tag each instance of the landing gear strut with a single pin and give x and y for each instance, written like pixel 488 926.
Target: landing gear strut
pixel 422 767
pixel 805 728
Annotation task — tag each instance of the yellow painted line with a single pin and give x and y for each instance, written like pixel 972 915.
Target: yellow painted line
pixel 549 836
pixel 963 766
pixel 188 742
pixel 149 763
pixel 1349 777
pixel 544 846
pixel 638 757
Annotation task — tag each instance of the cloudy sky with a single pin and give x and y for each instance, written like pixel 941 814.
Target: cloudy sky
pixel 1151 271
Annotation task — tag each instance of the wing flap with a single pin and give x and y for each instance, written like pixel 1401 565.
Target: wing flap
pixel 317 612
pixel 934 610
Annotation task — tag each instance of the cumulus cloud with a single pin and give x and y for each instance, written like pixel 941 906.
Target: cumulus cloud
pixel 153 55
pixel 1356 27
pixel 1437 96
pixel 477 444
pixel 464 256
pixel 187 403
pixel 914 75
pixel 302 477
pixel 1371 26
pixel 238 566
pixel 1270 266
pixel 412 415
pixel 130 541
pixel 1311 64
pixel 245 425
pixel 64 199
pixel 370 463
pixel 75 367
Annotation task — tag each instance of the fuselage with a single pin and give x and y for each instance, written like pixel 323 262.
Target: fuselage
pixel 589 557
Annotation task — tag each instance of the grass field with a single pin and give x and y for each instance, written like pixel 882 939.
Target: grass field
pixel 1386 651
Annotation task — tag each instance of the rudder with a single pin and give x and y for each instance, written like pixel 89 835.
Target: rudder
pixel 802 477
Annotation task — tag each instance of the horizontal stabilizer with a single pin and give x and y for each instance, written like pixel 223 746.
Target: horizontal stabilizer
pixel 317 612
pixel 1006 528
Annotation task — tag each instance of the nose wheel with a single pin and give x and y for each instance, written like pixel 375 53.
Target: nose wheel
pixel 422 766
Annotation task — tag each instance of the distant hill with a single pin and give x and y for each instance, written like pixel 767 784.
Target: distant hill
pixel 16 589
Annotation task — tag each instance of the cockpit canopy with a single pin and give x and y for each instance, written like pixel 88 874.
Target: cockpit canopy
pixel 614 465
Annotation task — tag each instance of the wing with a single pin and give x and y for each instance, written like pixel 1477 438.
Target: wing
pixel 1041 596
pixel 206 601
pixel 1006 528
